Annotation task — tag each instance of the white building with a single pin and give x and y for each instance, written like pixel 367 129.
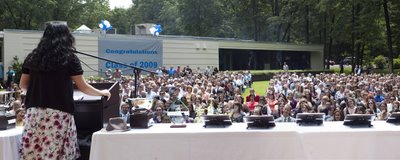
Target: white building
pixel 226 54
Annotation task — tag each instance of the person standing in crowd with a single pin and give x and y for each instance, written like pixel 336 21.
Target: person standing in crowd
pixel 108 74
pixel 10 77
pixel 159 72
pixel 215 71
pixel 188 70
pixel 117 74
pixel 171 72
pixel 164 70
pixel 285 67
pixel 48 73
pixel 178 70
pixel 198 70
pixel 207 71
pixel 341 66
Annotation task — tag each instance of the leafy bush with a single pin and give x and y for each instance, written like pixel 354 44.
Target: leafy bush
pixel 268 74
pixel 17 66
pixel 380 61
pixel 396 63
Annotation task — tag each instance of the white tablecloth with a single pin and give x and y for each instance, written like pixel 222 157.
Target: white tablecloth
pixel 9 143
pixel 285 141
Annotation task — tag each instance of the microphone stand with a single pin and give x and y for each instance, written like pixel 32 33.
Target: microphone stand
pixel 136 70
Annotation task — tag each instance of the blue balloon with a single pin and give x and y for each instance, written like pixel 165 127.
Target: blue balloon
pixel 158 29
pixel 105 25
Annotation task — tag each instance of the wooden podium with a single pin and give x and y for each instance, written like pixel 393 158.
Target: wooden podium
pixel 92 112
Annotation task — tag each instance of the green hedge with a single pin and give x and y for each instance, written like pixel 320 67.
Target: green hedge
pixel 396 63
pixel 267 75
pixel 380 62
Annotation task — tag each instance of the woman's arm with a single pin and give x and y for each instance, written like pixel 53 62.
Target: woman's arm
pixel 88 89
pixel 24 82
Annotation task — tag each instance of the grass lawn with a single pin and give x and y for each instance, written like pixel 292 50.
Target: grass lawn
pixel 347 70
pixel 336 69
pixel 259 86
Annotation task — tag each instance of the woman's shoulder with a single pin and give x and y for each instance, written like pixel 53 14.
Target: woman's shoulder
pixel 72 57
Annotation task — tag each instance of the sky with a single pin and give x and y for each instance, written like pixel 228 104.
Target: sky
pixel 120 3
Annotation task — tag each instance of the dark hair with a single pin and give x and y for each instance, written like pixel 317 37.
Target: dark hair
pixel 53 50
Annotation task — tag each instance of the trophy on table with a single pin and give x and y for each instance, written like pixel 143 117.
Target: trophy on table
pixel 178 113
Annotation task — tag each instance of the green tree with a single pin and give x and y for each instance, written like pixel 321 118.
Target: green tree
pixel 121 20
pixel 27 14
pixel 94 12
pixel 169 18
pixel 380 62
pixel 200 18
pixel 17 66
pixel 147 11
pixel 388 35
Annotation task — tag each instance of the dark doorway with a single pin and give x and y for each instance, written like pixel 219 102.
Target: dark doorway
pixel 237 59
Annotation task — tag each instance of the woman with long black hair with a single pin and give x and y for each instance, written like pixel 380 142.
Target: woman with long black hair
pixel 48 73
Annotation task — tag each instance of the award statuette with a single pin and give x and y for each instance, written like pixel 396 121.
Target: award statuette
pixel 178 113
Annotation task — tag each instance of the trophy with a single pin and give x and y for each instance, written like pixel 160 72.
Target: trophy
pixel 178 113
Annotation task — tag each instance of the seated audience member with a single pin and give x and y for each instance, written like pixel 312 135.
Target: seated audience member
pixel 379 96
pixel 285 117
pixel 324 106
pixel 290 100
pixel 361 109
pixel 350 107
pixel 237 115
pixel 337 116
pixel 271 101
pixel 252 92
pixel 383 113
pixel 396 106
pixel 303 106
pixel 252 103
pixel 257 110
pixel 265 108
pixel 160 116
pixel 371 106
pixel 124 111
pixel 164 95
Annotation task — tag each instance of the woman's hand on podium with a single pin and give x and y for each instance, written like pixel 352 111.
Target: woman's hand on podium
pixel 106 93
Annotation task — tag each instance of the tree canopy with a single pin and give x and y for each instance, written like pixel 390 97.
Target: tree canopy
pixel 361 29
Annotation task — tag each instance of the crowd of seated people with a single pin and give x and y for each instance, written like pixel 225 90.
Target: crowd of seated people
pixel 13 100
pixel 337 95
pixel 208 91
pixel 202 92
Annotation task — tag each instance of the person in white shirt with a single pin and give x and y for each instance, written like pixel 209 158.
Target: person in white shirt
pixel 278 87
pixel 285 67
pixel 124 112
pixel 159 72
pixel 339 96
pixel 149 92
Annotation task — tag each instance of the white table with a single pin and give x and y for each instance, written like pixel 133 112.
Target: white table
pixel 9 143
pixel 285 141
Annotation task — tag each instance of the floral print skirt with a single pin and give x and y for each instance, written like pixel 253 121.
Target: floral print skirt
pixel 49 134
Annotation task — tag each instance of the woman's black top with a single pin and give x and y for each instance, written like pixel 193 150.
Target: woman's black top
pixel 52 89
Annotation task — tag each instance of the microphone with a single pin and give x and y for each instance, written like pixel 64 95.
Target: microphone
pixel 185 117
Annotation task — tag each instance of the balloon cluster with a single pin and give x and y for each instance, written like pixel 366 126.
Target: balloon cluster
pixel 156 30
pixel 105 25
